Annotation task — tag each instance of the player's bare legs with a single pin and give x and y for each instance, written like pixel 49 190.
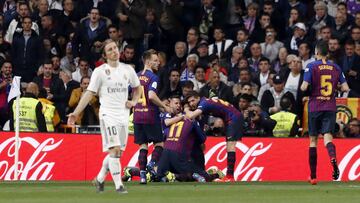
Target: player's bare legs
pixel 313 159
pixel 332 154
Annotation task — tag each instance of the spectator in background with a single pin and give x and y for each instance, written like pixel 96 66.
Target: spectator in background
pixel 295 17
pixel 128 56
pixel 255 50
pixel 350 67
pixel 232 62
pixel 53 86
pixel 216 88
pixel 305 54
pixel 17 24
pixel 186 88
pixel 192 40
pixel 258 35
pixel 189 71
pixel 51 115
pixel 256 124
pixel 69 84
pixel 221 45
pixel 355 33
pixel 173 87
pixel 55 59
pixel 208 17
pixel 270 101
pixel 245 77
pixel 42 10
pixel 82 70
pixel 251 17
pixel 261 77
pixel 117 36
pixel 243 102
pixel 152 32
pixel 287 123
pixel 5 85
pixel 242 40
pixel 276 18
pixel 89 33
pixel 132 17
pixel 335 51
pixel 199 80
pixel 235 72
pixel 320 20
pixel 91 111
pixel 341 28
pixel 178 60
pixel 5 47
pixel 299 35
pixel 214 64
pixel 343 9
pixel 280 65
pixel 353 128
pixel 270 48
pixel 67 62
pixel 33 120
pixel 26 51
pixel 203 52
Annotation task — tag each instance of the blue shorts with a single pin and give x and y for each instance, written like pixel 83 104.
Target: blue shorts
pixel 147 133
pixel 234 129
pixel 321 122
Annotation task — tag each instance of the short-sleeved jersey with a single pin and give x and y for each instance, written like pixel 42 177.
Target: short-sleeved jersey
pixel 323 77
pixel 145 112
pixel 111 84
pixel 180 137
pixel 219 108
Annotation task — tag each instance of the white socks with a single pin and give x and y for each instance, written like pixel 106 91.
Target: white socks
pixel 104 170
pixel 115 170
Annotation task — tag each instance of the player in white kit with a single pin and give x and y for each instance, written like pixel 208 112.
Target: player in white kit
pixel 111 82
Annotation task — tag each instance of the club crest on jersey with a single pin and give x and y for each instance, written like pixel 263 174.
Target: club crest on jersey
pixel 107 71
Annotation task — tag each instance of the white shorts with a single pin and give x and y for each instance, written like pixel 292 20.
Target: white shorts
pixel 113 133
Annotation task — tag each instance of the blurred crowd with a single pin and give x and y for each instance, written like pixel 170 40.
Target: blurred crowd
pixel 250 53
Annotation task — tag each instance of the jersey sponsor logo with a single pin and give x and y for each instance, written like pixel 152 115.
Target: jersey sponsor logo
pixel 117 89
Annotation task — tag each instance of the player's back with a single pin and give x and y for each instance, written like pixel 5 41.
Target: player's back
pixel 145 112
pixel 325 77
pixel 219 108
pixel 180 137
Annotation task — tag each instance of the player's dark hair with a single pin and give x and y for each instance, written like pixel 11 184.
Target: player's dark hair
pixel 322 48
pixel 192 94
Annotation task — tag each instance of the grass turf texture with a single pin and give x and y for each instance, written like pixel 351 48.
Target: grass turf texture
pixel 266 192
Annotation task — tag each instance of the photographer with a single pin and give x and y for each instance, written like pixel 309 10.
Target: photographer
pixel 257 124
pixel 352 129
pixel 5 85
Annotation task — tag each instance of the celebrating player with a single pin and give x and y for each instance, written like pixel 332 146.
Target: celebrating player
pixel 111 81
pixel 147 127
pixel 323 77
pixel 232 117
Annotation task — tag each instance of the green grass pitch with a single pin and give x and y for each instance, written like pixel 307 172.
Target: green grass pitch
pixel 252 192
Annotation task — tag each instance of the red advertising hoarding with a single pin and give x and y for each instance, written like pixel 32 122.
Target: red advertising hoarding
pixel 78 157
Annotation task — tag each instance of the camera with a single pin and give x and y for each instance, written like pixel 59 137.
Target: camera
pixel 252 114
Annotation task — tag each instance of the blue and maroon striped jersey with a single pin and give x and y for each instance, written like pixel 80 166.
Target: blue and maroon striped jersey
pixel 323 77
pixel 180 137
pixel 145 112
pixel 219 108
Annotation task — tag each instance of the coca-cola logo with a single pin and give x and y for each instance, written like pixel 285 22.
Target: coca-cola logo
pixel 34 168
pixel 247 169
pixel 353 170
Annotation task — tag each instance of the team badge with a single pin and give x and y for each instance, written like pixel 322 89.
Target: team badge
pixel 107 72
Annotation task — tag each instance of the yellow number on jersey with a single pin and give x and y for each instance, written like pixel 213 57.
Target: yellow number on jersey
pixel 142 98
pixel 178 126
pixel 326 85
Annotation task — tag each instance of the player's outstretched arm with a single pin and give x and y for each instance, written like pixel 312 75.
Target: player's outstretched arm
pixel 156 100
pixel 85 99
pixel 192 114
